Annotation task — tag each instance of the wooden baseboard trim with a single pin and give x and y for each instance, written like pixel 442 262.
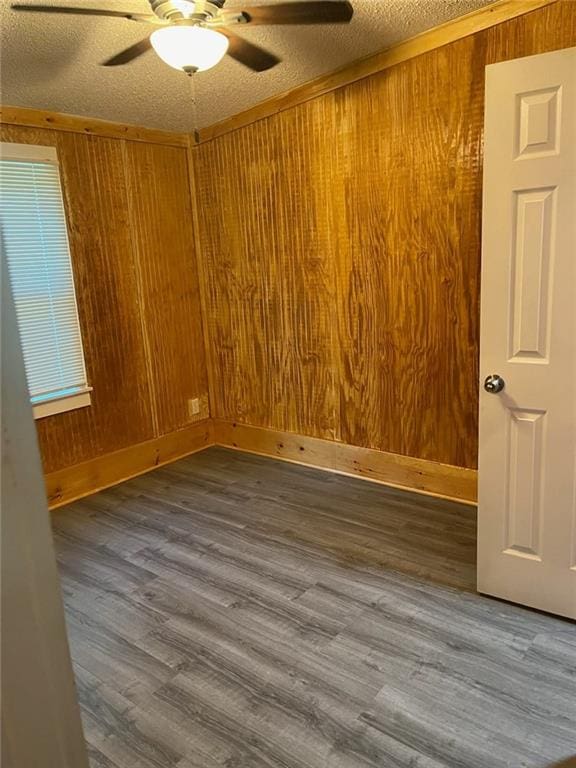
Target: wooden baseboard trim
pixel 456 29
pixel 81 480
pixel 90 126
pixel 419 475
pixel 427 477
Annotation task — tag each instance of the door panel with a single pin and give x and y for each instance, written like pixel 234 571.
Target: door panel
pixel 539 123
pixel 527 478
pixel 524 493
pixel 531 273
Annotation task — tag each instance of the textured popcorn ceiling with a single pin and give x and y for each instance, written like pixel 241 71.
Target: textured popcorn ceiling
pixel 52 62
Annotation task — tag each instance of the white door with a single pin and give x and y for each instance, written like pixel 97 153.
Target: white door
pixel 41 725
pixel 527 460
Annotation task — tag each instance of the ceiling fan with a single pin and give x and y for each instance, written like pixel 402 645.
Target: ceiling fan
pixel 194 35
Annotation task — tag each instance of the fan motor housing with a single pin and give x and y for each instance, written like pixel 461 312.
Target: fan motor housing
pixel 199 10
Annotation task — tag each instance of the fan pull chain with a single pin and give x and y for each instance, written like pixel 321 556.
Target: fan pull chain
pixel 194 109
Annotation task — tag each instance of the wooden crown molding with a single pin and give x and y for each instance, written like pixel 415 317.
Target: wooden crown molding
pixel 463 26
pixel 411 474
pixel 38 118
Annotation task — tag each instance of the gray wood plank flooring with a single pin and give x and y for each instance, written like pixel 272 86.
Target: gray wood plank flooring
pixel 231 610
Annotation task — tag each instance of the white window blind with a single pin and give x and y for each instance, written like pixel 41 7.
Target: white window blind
pixel 35 242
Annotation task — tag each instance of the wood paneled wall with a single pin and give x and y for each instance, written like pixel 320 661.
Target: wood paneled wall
pixel 129 216
pixel 341 249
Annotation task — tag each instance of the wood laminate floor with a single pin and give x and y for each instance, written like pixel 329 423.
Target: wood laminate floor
pixel 231 610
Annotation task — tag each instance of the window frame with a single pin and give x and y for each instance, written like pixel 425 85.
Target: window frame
pixel 71 398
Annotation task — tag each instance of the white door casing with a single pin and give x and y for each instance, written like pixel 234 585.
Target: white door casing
pixel 527 451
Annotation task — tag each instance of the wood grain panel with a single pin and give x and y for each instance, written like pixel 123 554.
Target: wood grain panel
pixel 409 376
pixel 97 208
pixel 160 212
pixel 128 212
pixel 550 29
pixel 270 315
pixel 369 275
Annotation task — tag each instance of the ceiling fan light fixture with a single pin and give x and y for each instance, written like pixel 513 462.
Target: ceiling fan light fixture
pixel 189 48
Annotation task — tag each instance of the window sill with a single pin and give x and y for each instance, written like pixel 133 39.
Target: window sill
pixel 62 404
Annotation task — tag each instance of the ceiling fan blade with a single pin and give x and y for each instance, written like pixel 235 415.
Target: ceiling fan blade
pixel 129 54
pixel 252 56
pixel 312 12
pixel 81 11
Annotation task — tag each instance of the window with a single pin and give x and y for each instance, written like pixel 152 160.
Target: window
pixel 35 241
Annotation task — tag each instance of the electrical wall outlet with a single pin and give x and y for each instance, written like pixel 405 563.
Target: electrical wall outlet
pixel 194 406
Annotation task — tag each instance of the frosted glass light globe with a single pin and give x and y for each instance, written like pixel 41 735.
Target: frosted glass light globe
pixel 189 48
